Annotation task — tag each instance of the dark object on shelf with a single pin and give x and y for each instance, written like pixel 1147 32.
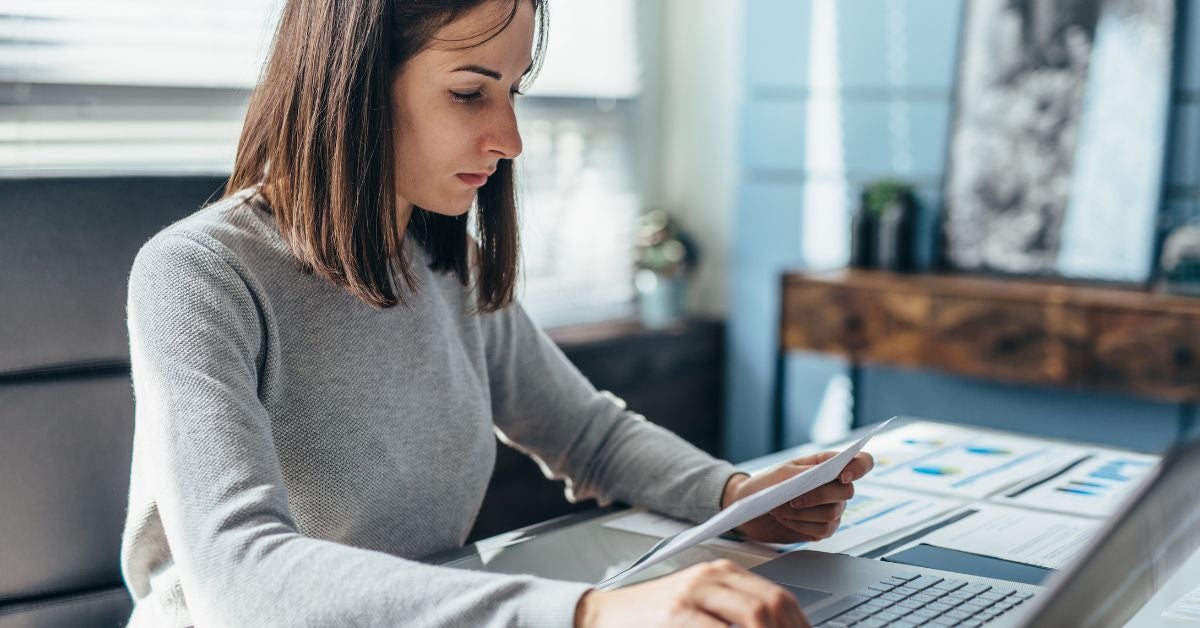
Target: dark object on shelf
pixel 883 230
pixel 862 237
pixel 1181 260
pixel 674 377
pixel 895 233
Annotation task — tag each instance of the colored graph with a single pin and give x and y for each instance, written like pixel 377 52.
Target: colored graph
pixel 1093 485
pixel 984 450
pixel 1115 470
pixel 1105 478
pixel 936 470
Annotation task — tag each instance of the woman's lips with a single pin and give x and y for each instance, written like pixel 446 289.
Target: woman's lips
pixel 473 179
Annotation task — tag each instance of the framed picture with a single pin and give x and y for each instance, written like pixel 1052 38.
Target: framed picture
pixel 1057 148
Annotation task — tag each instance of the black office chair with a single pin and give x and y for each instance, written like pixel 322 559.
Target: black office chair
pixel 66 405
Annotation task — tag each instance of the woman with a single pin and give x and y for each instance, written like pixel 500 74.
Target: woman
pixel 320 358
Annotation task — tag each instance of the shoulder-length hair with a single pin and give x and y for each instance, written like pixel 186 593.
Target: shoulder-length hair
pixel 318 143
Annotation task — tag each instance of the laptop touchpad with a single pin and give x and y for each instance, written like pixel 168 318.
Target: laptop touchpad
pixel 806 597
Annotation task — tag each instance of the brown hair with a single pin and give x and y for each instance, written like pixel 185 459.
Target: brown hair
pixel 317 139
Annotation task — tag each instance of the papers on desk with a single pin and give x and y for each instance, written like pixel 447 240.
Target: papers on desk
pixel 875 512
pixel 872 513
pixel 745 509
pixel 961 462
pixel 1016 498
pixel 915 440
pixel 1185 609
pixel 1093 485
pixel 1009 534
pixel 661 526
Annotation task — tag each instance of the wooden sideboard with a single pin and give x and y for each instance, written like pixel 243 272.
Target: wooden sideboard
pixel 1132 341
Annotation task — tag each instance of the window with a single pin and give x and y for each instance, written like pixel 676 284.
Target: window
pixel 129 86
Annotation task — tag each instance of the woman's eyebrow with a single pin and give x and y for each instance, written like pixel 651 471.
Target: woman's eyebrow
pixel 478 69
pixel 488 72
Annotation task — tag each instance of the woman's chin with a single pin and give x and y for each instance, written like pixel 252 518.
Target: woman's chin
pixel 452 210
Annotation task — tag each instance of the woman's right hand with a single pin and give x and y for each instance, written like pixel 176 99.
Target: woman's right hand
pixel 719 593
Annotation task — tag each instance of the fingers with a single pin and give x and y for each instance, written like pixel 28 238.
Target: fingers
pixel 825 513
pixel 701 618
pixel 769 603
pixel 817 514
pixel 729 593
pixel 730 605
pixel 810 530
pixel 860 465
pixel 824 494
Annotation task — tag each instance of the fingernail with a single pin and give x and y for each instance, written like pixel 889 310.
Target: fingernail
pixel 845 477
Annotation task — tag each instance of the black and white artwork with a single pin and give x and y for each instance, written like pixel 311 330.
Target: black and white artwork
pixel 1057 146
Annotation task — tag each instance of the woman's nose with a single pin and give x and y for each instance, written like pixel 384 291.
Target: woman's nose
pixel 504 139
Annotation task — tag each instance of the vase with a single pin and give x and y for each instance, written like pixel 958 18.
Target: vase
pixel 862 238
pixel 659 298
pixel 895 235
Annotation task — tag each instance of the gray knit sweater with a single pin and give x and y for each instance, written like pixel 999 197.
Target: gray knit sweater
pixel 297 452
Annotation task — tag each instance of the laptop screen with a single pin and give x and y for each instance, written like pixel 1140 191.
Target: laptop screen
pixel 1155 531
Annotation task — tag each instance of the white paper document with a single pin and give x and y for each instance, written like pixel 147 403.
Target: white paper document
pixel 1093 485
pixel 962 462
pixel 1005 533
pixel 872 513
pixel 661 526
pixel 746 509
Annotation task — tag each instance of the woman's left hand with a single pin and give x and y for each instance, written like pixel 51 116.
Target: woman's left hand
pixel 812 516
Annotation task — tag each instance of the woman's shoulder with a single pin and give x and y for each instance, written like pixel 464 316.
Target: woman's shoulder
pixel 234 228
pixel 230 220
pixel 229 236
pixel 193 277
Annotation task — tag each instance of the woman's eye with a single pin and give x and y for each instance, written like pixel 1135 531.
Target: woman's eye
pixel 465 97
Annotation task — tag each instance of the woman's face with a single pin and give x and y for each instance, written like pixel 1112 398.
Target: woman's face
pixel 453 108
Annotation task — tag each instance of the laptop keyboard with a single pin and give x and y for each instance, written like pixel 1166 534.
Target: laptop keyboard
pixel 901 601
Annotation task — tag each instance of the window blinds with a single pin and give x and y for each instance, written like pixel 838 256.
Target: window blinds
pixel 127 86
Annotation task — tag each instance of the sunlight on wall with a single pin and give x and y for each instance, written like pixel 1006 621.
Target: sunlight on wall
pixel 897 73
pixel 832 419
pixel 825 190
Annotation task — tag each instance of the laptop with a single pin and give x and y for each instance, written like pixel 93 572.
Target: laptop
pixel 1137 550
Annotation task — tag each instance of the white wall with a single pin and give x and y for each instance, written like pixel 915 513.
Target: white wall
pixel 700 74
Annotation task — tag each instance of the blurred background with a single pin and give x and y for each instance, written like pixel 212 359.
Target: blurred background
pixel 697 175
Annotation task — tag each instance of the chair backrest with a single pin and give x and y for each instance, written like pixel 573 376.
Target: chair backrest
pixel 66 406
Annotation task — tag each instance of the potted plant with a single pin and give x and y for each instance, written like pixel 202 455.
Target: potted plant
pixel 664 257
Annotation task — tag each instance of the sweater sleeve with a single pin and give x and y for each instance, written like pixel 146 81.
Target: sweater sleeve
pixel 545 407
pixel 197 342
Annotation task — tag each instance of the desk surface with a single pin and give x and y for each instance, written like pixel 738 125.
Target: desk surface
pixel 581 548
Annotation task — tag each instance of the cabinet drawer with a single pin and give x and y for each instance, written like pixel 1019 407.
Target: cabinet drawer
pixel 859 323
pixel 1043 343
pixel 1044 333
pixel 1147 352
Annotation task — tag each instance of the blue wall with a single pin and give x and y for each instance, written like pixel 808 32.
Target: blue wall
pixel 895 67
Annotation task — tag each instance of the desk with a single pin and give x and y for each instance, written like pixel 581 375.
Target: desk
pixel 580 547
